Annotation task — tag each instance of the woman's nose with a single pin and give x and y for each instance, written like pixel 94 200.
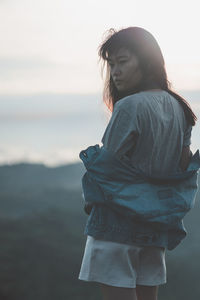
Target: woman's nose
pixel 116 71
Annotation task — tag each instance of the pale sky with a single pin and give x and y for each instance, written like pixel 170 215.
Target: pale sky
pixel 51 45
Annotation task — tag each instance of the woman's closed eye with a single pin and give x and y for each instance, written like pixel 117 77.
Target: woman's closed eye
pixel 120 62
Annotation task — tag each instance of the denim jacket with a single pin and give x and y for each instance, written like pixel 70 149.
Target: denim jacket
pixel 130 207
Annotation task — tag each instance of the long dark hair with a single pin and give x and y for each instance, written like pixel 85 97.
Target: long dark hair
pixel 143 44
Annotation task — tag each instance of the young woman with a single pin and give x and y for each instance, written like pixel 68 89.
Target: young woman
pixel 151 125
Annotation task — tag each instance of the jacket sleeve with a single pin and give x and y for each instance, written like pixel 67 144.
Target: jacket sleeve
pixel 121 132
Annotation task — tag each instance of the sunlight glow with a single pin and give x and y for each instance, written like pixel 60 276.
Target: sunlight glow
pixel 51 46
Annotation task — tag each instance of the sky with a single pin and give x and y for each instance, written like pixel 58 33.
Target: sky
pixel 50 46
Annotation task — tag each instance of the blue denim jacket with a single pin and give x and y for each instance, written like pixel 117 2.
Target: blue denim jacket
pixel 130 207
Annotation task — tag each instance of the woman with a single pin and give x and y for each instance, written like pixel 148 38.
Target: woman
pixel 151 125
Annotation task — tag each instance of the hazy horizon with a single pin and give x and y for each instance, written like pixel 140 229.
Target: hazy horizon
pixel 53 128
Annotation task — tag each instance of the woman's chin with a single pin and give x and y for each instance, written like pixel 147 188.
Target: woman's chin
pixel 121 89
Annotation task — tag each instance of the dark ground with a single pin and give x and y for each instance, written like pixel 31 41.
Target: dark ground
pixel 42 242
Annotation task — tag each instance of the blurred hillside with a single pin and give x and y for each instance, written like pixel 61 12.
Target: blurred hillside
pixel 42 242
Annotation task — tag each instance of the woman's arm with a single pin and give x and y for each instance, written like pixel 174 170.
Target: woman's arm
pixel 185 158
pixel 122 131
pixel 120 137
pixel 186 152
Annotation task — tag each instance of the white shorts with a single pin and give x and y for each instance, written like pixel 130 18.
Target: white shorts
pixel 122 265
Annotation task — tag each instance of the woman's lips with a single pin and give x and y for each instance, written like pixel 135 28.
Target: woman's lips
pixel 118 81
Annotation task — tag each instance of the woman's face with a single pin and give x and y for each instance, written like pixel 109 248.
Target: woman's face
pixel 124 70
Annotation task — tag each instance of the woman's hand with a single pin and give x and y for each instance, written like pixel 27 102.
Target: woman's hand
pixel 87 208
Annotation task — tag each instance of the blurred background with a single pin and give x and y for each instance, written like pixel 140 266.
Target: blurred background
pixel 50 109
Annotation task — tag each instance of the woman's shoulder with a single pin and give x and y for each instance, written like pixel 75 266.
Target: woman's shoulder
pixel 129 101
pixel 132 103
